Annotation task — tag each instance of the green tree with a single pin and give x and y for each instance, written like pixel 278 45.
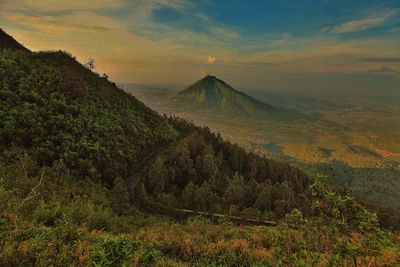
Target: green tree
pixel 120 201
pixel 189 195
pixel 209 167
pixel 235 193
pixel 156 177
pixel 205 197
pixel 264 199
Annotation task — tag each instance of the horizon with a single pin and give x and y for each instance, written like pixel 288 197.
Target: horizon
pixel 283 46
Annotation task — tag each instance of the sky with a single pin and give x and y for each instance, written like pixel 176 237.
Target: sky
pixel 308 45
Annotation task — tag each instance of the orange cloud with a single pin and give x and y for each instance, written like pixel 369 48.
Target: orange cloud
pixel 211 60
pixel 50 5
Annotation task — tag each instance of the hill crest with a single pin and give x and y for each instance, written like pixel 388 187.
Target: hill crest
pixel 7 41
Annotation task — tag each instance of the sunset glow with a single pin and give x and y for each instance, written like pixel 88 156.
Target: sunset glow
pixel 278 44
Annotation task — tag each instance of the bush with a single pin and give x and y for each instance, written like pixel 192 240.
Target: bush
pixel 47 214
pixel 100 218
pixel 149 256
pixel 113 251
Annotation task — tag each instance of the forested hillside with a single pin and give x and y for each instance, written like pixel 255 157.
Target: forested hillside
pixel 58 111
pixel 76 152
pixel 204 172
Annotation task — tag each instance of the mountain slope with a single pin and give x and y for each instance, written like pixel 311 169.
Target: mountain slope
pixel 59 112
pixel 204 172
pixel 214 94
pixel 7 41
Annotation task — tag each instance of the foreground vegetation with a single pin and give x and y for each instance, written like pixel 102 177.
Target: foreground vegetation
pixel 50 219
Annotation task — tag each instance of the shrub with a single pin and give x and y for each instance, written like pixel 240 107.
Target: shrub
pixel 47 214
pixel 113 251
pixel 100 218
pixel 149 256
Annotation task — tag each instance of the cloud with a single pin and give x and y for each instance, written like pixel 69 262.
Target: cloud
pixel 60 5
pixel 257 63
pixel 211 60
pixel 131 45
pixel 380 59
pixel 382 70
pixel 363 24
pixel 83 21
pixel 394 30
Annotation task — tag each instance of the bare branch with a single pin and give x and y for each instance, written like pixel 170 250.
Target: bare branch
pixel 33 192
pixel 23 162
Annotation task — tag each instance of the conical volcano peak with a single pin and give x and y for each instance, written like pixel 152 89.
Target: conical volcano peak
pixel 210 83
pixel 216 94
pixel 210 89
pixel 210 78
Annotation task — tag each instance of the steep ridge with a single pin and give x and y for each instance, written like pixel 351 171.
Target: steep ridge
pixel 7 41
pixel 59 112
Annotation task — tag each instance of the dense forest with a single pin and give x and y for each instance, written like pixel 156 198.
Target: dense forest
pixel 204 172
pixel 75 150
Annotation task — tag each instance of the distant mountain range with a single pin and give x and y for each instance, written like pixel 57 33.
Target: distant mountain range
pixel 213 94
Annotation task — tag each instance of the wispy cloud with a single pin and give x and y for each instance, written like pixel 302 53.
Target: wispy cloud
pixel 380 59
pixel 364 23
pixel 382 70
pixel 72 22
pixel 61 5
pixel 254 64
